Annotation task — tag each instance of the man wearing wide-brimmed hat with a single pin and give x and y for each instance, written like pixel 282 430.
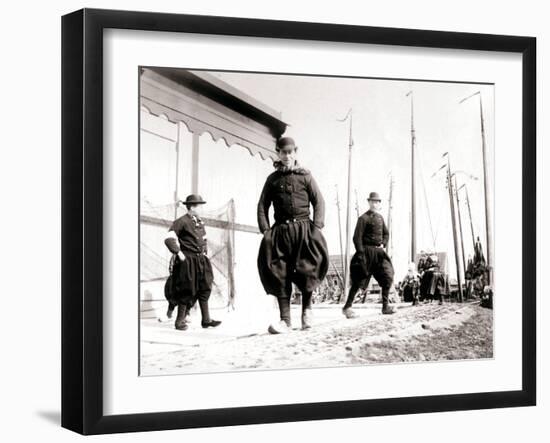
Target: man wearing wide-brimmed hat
pixel 191 277
pixel 293 249
pixel 370 259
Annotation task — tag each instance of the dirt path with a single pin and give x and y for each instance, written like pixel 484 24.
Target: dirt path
pixel 460 331
pixel 453 340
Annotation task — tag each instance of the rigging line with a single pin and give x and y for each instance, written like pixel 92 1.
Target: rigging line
pixel 439 217
pixel 157 212
pixel 156 260
pixel 152 253
pixel 153 264
pixel 426 196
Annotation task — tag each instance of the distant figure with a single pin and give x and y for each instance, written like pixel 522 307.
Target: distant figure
pixel 370 259
pixel 477 271
pixel 191 274
pixel 410 285
pixel 294 249
pixel 432 282
pixel 421 262
pixel 469 278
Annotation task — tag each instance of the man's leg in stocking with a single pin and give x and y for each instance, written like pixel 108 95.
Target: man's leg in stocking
pixel 307 314
pixel 180 323
pixel 284 324
pixel 386 308
pixel 348 312
pixel 284 309
pixel 206 321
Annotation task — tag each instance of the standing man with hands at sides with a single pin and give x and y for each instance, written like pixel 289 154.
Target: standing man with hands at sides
pixel 370 259
pixel 191 277
pixel 293 250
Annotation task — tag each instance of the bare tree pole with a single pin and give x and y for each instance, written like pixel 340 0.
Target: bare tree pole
pixel 488 207
pixel 357 204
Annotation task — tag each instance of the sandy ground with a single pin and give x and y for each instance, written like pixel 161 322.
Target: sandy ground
pixel 426 332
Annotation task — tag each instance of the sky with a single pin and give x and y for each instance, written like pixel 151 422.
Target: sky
pixel 312 107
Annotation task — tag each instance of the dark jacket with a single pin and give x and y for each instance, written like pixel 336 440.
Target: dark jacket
pixel 291 191
pixel 370 231
pixel 191 234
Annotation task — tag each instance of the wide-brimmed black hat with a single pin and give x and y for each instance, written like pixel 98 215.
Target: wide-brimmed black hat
pixel 374 196
pixel 193 199
pixel 283 142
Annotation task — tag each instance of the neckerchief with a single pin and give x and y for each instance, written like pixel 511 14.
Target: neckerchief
pixel 279 166
pixel 196 219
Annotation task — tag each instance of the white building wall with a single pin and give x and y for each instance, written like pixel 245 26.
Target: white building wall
pixel 224 173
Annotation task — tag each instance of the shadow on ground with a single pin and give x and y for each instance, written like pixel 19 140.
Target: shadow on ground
pixel 54 417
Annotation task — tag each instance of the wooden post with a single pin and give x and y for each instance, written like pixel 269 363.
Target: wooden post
pixel 230 255
pixel 195 164
pixel 176 189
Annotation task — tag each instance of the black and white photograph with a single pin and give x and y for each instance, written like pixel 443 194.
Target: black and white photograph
pixel 275 222
pixel 308 221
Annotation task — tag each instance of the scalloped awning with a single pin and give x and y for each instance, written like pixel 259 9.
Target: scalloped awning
pixel 204 103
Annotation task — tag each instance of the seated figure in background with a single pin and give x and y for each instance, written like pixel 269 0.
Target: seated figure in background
pixel 432 281
pixel 410 285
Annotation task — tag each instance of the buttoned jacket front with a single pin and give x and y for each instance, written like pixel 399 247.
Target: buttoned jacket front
pixel 291 192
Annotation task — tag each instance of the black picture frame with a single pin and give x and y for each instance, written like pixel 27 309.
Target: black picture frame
pixel 82 219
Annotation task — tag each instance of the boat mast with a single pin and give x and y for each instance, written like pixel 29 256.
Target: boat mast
pixel 488 207
pixel 348 204
pixel 340 233
pixel 413 190
pixel 470 215
pixel 390 207
pixel 460 228
pixel 453 221
pixel 348 207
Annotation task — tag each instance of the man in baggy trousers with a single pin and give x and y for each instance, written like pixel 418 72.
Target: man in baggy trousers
pixel 370 259
pixel 191 278
pixel 294 249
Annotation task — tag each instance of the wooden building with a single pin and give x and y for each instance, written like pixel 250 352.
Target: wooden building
pixel 201 135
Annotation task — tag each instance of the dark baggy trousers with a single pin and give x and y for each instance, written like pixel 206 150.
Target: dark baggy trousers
pixel 289 253
pixel 190 280
pixel 372 262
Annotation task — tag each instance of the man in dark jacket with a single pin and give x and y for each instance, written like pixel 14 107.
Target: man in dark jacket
pixel 191 277
pixel 293 250
pixel 370 259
